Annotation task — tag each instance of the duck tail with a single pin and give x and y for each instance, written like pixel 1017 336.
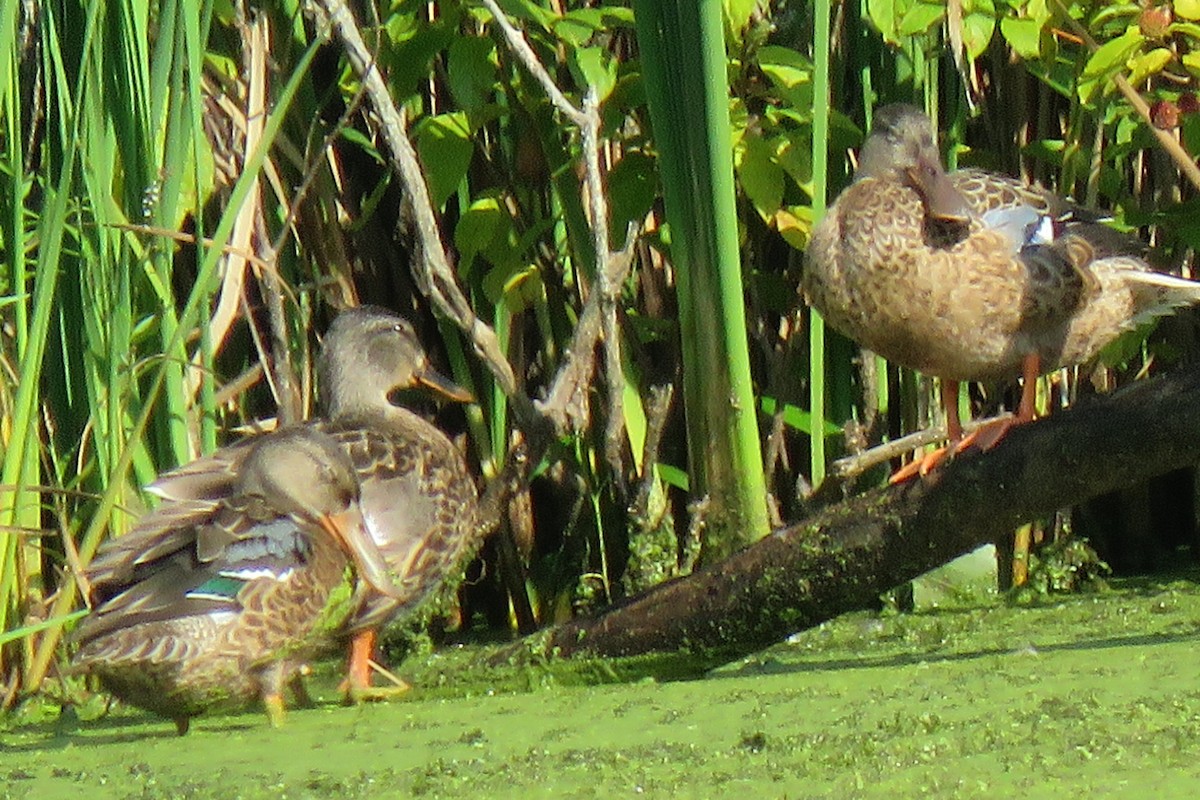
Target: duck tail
pixel 1157 294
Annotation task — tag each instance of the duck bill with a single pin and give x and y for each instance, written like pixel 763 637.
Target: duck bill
pixel 441 385
pixel 350 530
pixel 942 199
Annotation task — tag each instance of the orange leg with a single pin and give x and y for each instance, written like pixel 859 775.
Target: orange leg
pixel 362 646
pixel 984 437
pixel 357 686
pixel 988 436
pixel 924 465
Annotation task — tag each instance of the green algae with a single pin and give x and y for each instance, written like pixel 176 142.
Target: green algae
pixel 1095 694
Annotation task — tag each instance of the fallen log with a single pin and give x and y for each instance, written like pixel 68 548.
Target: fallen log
pixel 845 555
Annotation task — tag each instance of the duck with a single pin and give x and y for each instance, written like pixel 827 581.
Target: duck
pixel 969 275
pixel 418 497
pixel 220 604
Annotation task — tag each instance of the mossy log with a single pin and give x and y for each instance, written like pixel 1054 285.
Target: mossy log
pixel 845 555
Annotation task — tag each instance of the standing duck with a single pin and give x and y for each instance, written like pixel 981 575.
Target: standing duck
pixel 970 276
pixel 218 604
pixel 418 497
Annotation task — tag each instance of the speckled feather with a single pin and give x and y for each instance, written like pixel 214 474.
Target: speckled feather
pixel 959 299
pixel 224 609
pixel 418 497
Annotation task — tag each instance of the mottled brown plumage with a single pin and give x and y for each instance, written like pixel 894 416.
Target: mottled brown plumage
pixel 418 497
pixel 970 276
pixel 222 609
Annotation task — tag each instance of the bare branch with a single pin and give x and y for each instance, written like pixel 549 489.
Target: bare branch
pixel 437 276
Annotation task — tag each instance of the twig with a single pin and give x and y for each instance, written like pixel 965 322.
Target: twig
pixel 526 56
pixel 565 400
pixel 851 466
pixel 1187 165
pixel 436 277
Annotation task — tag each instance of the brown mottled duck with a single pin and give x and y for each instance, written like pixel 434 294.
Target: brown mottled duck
pixel 418 496
pixel 971 276
pixel 219 606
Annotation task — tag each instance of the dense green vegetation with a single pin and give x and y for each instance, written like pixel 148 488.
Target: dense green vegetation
pixel 188 194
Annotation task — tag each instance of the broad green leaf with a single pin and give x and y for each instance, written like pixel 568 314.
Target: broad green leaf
pixel 573 30
pixel 528 11
pixel 1143 65
pixel 444 142
pixel 922 18
pixel 793 152
pixel 977 33
pixel 579 26
pixel 415 44
pixel 1192 61
pixel 790 72
pixel 472 71
pixel 672 476
pixel 737 13
pixel 760 176
pixel 1023 35
pixel 1112 55
pixel 1186 28
pixel 883 15
pixel 1187 9
pixel 794 229
pixel 1107 61
pixel 476 229
pixel 594 67
pixel 632 189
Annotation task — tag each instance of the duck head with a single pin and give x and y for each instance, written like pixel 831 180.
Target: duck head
pixel 900 148
pixel 303 473
pixel 369 353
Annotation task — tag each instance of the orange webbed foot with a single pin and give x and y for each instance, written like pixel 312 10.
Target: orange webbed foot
pixel 985 437
pixel 920 466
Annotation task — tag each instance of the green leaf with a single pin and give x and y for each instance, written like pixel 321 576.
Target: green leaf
pixel 794 224
pixel 444 142
pixel 594 67
pixel 476 230
pixel 793 152
pixel 672 476
pixel 1107 61
pixel 632 190
pixel 790 72
pixel 797 418
pixel 528 11
pixel 922 18
pixel 1192 61
pixel 1187 9
pixel 760 176
pixel 1112 55
pixel 1186 28
pixel 472 71
pixel 579 26
pixel 1023 35
pixel 737 13
pixel 883 15
pixel 573 30
pixel 1144 65
pixel 415 43
pixel 977 33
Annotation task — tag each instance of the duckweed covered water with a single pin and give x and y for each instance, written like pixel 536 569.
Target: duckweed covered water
pixel 1098 696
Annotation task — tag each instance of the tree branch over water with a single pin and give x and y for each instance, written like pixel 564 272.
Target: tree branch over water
pixel 845 555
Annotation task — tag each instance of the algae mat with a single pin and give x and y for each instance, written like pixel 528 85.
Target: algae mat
pixel 1095 695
